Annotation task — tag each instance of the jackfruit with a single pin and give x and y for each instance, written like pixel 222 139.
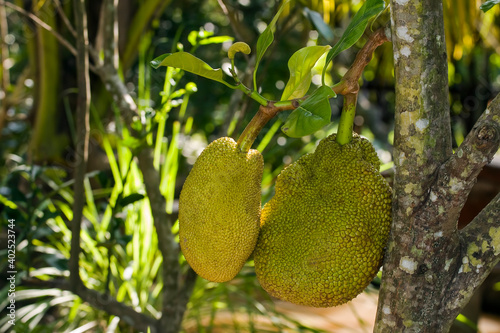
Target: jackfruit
pixel 219 210
pixel 323 233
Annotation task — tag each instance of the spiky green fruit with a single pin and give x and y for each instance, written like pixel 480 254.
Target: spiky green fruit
pixel 219 210
pixel 323 233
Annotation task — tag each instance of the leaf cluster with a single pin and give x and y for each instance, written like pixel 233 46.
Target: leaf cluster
pixel 313 111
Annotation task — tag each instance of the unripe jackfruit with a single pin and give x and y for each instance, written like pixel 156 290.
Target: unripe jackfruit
pixel 219 210
pixel 323 233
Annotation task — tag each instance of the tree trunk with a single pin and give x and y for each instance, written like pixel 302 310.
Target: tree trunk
pixel 431 268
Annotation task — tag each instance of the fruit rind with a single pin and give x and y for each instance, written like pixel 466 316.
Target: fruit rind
pixel 323 234
pixel 219 210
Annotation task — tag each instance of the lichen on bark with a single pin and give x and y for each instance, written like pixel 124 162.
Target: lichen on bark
pixel 431 268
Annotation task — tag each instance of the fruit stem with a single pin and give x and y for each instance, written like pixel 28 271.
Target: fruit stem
pixel 344 133
pixel 255 125
pixel 265 113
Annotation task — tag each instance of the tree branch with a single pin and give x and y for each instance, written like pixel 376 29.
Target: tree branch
pixel 457 176
pixel 4 74
pixel 82 139
pixel 480 239
pixel 348 86
pixel 240 30
pixel 423 250
pixel 105 302
pixel 65 19
pixel 173 304
pixel 175 297
pixel 41 23
pixel 110 32
pixel 349 83
pixel 107 70
pixel 480 244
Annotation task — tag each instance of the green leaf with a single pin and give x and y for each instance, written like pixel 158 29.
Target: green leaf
pixel 129 199
pixel 317 20
pixel 463 319
pixel 193 37
pixel 355 29
pixel 215 40
pixel 238 47
pixel 266 39
pixel 300 65
pixel 488 5
pixel 124 240
pixel 189 63
pixel 203 37
pixel 311 115
pixel 7 202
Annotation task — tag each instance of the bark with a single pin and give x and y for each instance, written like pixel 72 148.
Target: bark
pixel 82 140
pixel 177 285
pixel 431 269
pixel 4 71
pixel 101 301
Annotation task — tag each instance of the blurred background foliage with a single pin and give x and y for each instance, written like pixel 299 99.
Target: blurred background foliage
pixel 184 113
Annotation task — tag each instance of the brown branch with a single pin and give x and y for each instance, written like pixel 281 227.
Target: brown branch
pixel 174 296
pixel 105 302
pixel 172 312
pixel 42 24
pixel 479 240
pixel 349 83
pixel 4 48
pixel 458 174
pixel 240 30
pixel 82 139
pixel 109 32
pixel 47 27
pixel 480 254
pixel 348 86
pixel 65 19
pixel 258 122
pixel 5 74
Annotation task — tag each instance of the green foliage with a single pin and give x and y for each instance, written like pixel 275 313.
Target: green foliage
pixel 488 5
pixel 265 40
pixel 238 47
pixel 311 115
pixel 300 66
pixel 317 20
pixel 177 119
pixel 190 63
pixel 467 322
pixel 355 29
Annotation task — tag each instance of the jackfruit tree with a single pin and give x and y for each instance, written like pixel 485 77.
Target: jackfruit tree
pixel 219 206
pixel 333 222
pixel 326 231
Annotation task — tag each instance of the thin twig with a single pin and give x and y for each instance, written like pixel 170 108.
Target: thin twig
pixel 110 37
pixel 5 82
pixel 41 23
pixel 65 18
pixel 4 48
pixel 348 86
pixel 240 30
pixel 349 83
pixel 105 302
pixel 47 27
pixel 174 305
pixel 82 139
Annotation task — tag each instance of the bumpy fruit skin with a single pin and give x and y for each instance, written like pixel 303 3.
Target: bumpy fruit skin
pixel 323 233
pixel 219 210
